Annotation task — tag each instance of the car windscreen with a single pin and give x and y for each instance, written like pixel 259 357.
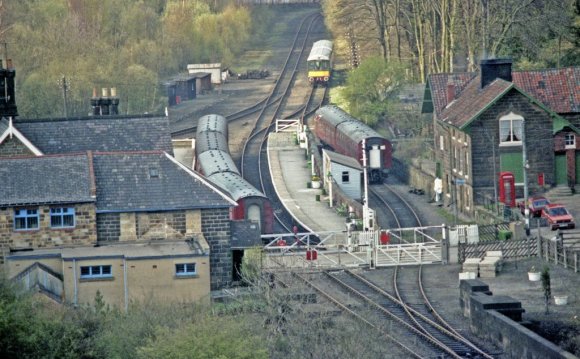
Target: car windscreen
pixel 558 211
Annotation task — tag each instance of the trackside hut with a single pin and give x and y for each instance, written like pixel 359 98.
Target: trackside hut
pixel 345 171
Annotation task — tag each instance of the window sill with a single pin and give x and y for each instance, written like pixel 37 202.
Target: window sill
pixel 97 279
pixel 186 276
pixel 511 144
pixel 26 230
pixel 570 147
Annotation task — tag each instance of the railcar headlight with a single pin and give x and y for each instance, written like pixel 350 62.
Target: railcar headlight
pixel 325 78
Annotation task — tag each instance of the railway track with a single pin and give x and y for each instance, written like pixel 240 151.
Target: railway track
pixel 254 151
pixel 400 318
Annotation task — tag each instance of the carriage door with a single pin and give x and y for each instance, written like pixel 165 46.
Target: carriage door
pixel 254 214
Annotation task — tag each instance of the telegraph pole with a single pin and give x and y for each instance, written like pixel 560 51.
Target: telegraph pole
pixel 64 91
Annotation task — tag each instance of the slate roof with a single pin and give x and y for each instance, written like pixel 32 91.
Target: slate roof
pixel 119 133
pixel 151 181
pixel 343 160
pixel 45 180
pixel 556 89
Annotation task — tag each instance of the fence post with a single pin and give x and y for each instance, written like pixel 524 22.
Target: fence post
pixel 575 262
pixel 565 256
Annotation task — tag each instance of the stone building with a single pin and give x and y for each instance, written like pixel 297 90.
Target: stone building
pixel 489 122
pixel 100 192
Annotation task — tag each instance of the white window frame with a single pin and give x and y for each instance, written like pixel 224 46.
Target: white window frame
pixel 185 269
pixel 62 213
pixel 31 217
pixel 441 143
pixel 569 140
pixel 343 175
pixel 511 118
pixel 97 271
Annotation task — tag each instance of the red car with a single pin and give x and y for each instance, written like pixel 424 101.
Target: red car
pixel 535 205
pixel 558 216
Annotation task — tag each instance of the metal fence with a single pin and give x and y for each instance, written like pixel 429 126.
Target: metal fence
pixel 509 248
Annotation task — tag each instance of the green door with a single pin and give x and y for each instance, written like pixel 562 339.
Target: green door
pixel 577 167
pixel 561 175
pixel 512 162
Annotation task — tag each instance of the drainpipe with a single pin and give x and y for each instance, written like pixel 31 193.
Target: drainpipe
pixel 75 282
pixel 125 284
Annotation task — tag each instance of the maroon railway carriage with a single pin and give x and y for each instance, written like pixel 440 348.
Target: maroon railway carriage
pixel 345 134
pixel 213 160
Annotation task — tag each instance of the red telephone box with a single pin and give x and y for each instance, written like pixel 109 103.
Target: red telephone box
pixel 507 189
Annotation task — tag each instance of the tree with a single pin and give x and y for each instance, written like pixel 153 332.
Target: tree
pixel 371 88
pixel 207 337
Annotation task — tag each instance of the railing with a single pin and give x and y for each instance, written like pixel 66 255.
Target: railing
pixel 353 248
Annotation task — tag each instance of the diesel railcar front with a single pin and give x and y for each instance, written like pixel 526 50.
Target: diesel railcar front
pixel 320 62
pixel 345 135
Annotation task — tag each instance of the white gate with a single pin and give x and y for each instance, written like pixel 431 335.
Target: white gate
pixel 353 249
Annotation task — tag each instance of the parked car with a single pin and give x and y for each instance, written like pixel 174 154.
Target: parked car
pixel 535 205
pixel 558 216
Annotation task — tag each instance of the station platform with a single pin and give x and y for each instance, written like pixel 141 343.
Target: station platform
pixel 290 174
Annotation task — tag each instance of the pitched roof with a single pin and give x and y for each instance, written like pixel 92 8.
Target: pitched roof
pixel 558 89
pixel 473 100
pixel 437 88
pixel 343 160
pixel 119 133
pixel 45 180
pixel 151 181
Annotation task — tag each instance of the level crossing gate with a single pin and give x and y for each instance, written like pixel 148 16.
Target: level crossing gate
pixel 350 249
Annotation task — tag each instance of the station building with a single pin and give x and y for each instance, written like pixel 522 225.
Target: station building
pixel 501 122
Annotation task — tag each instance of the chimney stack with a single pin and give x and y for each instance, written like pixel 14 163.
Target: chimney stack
pixel 105 101
pixel 450 92
pixel 96 109
pixel 7 90
pixel 495 68
pixel 114 101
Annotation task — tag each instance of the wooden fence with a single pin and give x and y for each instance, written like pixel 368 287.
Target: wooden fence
pixel 510 248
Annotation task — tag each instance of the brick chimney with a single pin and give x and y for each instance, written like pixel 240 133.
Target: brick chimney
pixel 495 68
pixel 450 92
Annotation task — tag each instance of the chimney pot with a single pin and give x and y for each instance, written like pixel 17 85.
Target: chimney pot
pixel 105 92
pixel 9 64
pixel 94 92
pixel 113 92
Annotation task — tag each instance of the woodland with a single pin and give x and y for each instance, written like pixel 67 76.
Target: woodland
pixel 69 47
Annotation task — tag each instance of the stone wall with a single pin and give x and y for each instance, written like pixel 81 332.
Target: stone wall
pixel 108 226
pixel 215 225
pixel 496 319
pixel 84 232
pixel 13 147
